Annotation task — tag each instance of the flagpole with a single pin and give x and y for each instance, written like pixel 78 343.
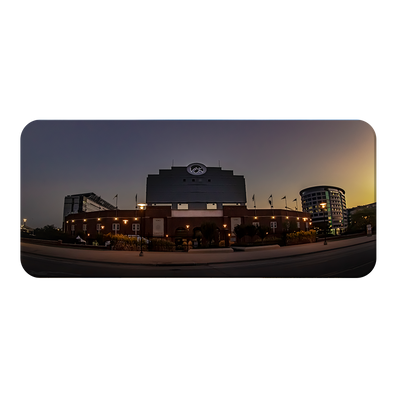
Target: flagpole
pixel 116 213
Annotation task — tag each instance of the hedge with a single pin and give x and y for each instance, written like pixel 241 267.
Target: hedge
pixel 301 237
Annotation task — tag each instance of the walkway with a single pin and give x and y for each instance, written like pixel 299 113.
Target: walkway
pixel 187 258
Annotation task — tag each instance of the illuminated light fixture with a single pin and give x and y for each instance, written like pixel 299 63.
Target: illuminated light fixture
pixel 255 217
pixel 84 220
pixel 297 217
pixel 287 217
pixel 116 219
pixel 187 226
pixel 73 220
pixel 310 223
pixel 135 219
pixel 273 217
pixel 102 227
pixel 88 234
pixel 125 221
pixel 67 222
pixel 142 206
pixel 166 235
pixel 98 219
pixel 229 234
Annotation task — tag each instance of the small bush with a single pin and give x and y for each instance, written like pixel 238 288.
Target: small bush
pixel 301 237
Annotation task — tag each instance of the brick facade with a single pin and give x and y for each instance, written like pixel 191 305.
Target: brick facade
pixel 176 220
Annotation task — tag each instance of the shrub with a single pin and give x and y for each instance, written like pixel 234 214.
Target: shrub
pixel 301 237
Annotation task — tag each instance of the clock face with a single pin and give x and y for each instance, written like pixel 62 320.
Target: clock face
pixel 196 169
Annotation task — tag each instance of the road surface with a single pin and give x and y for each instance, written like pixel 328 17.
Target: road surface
pixel 354 261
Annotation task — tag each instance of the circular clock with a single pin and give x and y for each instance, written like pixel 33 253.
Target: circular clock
pixel 196 169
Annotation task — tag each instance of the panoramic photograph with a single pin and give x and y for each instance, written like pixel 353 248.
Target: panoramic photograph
pixel 198 198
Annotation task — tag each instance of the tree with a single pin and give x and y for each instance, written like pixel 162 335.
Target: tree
pixel 360 219
pixel 50 232
pixel 239 231
pixel 197 235
pixel 262 231
pixel 293 226
pixel 209 230
pixel 250 230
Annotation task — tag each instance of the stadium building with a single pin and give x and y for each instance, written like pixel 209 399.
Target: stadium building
pixel 178 201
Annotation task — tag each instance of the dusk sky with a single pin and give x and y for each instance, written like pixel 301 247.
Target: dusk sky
pixel 60 158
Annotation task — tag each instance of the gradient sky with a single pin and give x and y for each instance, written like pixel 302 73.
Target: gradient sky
pixel 281 158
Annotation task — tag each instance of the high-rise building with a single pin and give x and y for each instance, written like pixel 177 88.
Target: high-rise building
pixel 334 214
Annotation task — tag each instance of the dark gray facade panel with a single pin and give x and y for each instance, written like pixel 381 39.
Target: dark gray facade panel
pixel 179 186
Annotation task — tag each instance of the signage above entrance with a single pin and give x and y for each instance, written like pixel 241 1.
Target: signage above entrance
pixel 196 169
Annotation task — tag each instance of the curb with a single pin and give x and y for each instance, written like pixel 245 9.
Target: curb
pixel 194 263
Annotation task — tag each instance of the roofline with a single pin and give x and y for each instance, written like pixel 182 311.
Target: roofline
pixel 325 187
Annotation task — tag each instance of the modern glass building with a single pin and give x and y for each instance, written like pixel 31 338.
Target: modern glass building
pixel 335 213
pixel 85 202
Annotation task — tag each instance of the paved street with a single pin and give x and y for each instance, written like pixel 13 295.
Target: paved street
pixel 346 258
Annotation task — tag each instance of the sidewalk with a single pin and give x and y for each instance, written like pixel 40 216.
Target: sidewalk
pixel 187 258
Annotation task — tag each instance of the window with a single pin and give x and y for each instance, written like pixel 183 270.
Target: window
pixel 73 228
pixel 298 225
pixel 115 227
pixel 84 227
pixel 136 228
pixel 257 224
pixel 98 227
pixel 273 224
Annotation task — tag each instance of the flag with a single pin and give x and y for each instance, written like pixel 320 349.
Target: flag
pixel 283 198
pixel 253 197
pixel 295 200
pixel 270 196
pixel 115 196
pixel 269 202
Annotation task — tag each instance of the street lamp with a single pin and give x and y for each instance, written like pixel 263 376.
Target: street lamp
pixel 226 239
pixel 142 206
pixel 323 206
pixel 187 227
